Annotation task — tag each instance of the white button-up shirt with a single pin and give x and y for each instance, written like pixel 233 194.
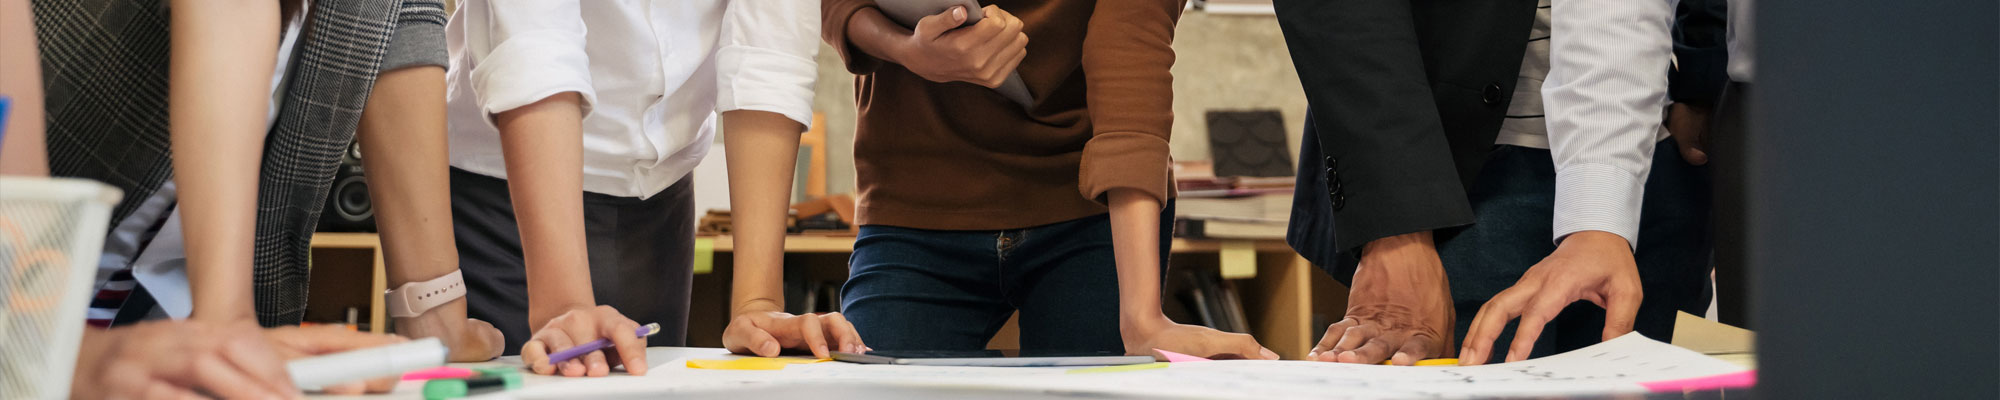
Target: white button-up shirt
pixel 652 76
pixel 1604 97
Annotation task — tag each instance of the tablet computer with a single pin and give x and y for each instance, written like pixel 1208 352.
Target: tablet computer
pixel 992 358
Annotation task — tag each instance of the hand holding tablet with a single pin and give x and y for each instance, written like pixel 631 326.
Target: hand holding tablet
pixel 957 41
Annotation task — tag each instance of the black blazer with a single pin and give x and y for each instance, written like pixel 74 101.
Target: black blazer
pixel 1407 98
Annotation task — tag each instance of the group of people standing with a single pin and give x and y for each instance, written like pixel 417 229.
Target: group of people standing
pixel 1464 166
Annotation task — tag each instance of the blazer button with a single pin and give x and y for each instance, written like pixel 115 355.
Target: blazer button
pixel 1330 172
pixel 1339 202
pixel 1492 93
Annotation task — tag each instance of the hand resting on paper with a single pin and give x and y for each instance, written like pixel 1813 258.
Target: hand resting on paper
pixel 1399 309
pixel 1595 266
pixel 766 333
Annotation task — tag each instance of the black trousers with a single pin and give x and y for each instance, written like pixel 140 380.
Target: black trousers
pixel 641 255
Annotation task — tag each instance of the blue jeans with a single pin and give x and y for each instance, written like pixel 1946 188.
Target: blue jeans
pixel 919 289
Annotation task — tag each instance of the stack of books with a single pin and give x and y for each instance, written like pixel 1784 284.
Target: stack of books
pixel 1229 207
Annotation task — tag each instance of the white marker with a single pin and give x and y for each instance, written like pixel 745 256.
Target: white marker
pixel 351 366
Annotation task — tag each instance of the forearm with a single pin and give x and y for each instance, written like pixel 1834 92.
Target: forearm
pixel 402 134
pixel 543 145
pixel 223 56
pixel 761 148
pixel 21 146
pixel 874 34
pixel 1135 242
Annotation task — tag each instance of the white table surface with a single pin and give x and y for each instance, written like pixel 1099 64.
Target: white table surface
pixel 655 356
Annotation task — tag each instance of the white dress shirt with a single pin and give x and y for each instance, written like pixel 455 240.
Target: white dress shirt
pixel 1599 123
pixel 652 76
pixel 1604 100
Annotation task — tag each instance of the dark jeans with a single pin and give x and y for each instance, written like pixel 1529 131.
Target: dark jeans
pixel 918 289
pixel 1514 201
pixel 641 256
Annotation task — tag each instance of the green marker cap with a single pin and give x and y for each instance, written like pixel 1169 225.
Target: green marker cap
pixel 440 389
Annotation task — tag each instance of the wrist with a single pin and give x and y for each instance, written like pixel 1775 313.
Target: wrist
pixel 1138 325
pixel 440 321
pixel 757 305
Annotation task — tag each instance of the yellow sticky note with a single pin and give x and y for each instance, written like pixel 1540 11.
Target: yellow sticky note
pixel 1119 368
pixel 704 255
pixel 750 363
pixel 1239 259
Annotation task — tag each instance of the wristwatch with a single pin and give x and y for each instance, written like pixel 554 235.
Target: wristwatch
pixel 414 298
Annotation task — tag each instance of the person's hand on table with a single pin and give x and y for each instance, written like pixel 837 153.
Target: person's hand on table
pixel 766 333
pixel 1194 340
pixel 293 342
pixel 1399 309
pixel 1591 265
pixel 583 325
pixel 984 53
pixel 469 339
pixel 180 360
pixel 1688 124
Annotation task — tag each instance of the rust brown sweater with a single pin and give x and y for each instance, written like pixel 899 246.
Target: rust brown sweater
pixel 957 156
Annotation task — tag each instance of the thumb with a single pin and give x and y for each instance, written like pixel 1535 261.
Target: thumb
pixel 1620 313
pixel 1691 152
pixel 932 26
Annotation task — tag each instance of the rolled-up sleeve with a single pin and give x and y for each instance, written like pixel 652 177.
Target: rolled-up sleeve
pixel 532 49
pixel 765 58
pixel 1127 57
pixel 1604 96
pixel 419 38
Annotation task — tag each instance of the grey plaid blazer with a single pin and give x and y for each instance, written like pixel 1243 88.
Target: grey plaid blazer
pixel 105 74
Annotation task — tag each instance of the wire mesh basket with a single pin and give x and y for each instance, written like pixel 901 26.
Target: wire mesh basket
pixel 51 234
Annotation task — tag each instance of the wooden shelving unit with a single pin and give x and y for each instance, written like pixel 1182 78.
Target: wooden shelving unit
pixel 342 265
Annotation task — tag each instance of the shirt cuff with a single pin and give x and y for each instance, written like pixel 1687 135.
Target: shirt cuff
pixel 1125 160
pixel 1598 197
pixel 526 69
pixel 752 78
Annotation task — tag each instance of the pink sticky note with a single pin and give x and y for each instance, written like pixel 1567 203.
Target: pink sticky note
pixel 1178 357
pixel 1734 380
pixel 439 373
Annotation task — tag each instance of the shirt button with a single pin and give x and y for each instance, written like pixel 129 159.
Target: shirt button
pixel 1492 93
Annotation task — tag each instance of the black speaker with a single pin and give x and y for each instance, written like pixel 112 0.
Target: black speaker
pixel 348 208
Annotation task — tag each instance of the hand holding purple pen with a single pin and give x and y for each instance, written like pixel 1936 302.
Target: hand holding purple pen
pixel 588 341
pixel 599 344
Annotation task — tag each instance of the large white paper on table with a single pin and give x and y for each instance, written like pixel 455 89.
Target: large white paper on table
pixel 1615 366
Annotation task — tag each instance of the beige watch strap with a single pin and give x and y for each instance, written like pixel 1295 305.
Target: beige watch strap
pixel 414 298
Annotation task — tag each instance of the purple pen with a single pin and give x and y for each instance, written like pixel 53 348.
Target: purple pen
pixel 599 344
